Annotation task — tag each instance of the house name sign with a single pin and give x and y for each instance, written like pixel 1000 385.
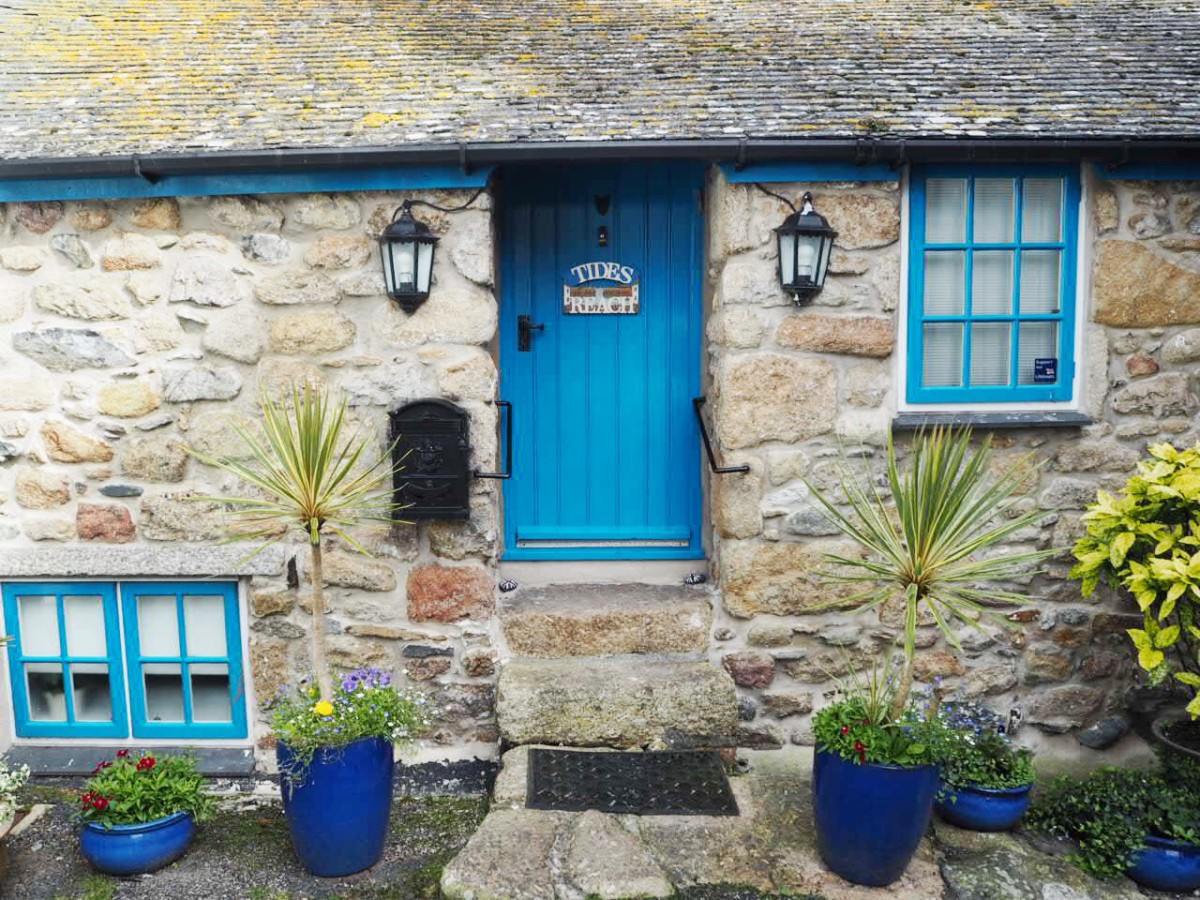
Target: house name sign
pixel 601 289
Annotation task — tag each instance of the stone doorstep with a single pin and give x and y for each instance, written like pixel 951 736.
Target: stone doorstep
pixel 621 701
pixel 606 619
pixel 525 854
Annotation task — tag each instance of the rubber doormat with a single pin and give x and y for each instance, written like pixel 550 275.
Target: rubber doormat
pixel 660 782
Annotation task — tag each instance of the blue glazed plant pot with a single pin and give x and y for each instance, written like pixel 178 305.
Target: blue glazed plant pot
pixel 983 809
pixel 339 805
pixel 1167 865
pixel 137 849
pixel 870 818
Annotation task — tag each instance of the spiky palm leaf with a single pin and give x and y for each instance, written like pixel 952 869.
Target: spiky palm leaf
pixel 309 469
pixel 926 547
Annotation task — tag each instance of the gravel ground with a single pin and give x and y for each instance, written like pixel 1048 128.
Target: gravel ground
pixel 241 854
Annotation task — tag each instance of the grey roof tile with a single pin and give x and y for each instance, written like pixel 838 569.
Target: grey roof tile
pixel 122 76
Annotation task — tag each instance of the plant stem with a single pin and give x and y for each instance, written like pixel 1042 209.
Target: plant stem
pixel 903 689
pixel 320 663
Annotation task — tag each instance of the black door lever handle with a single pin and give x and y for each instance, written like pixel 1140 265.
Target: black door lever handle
pixel 525 329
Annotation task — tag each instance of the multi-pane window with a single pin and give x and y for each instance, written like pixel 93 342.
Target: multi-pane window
pixel 992 284
pixel 141 660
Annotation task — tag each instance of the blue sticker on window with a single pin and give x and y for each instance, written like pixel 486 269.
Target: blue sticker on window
pixel 1045 370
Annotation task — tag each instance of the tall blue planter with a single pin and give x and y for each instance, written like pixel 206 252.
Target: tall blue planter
pixel 137 849
pixel 338 806
pixel 870 818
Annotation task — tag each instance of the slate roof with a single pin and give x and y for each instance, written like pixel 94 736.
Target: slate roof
pixel 103 77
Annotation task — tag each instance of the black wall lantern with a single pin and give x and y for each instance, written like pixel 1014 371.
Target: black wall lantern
pixel 406 250
pixel 805 245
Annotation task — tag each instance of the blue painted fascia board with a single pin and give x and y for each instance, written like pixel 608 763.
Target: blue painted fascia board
pixel 405 178
pixel 808 172
pixel 1150 172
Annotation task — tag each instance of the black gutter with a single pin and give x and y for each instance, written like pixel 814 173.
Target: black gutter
pixel 1112 152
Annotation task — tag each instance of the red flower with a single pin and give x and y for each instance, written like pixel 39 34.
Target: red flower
pixel 845 730
pixel 101 766
pixel 861 749
pixel 122 754
pixel 145 763
pixel 100 803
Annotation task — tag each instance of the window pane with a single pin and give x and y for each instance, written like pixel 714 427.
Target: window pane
pixel 1039 281
pixel 39 626
pixel 205 620
pixel 945 210
pixel 945 277
pixel 164 692
pixel 85 626
pixel 158 626
pixel 93 699
pixel 942 362
pixel 1035 340
pixel 211 700
pixel 47 699
pixel 991 283
pixel 990 353
pixel 1041 217
pixel 994 203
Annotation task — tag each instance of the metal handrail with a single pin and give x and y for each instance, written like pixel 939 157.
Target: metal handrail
pixel 697 403
pixel 508 455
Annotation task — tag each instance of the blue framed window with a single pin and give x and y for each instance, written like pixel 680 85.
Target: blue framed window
pixel 185 674
pixel 132 660
pixel 991 315
pixel 65 660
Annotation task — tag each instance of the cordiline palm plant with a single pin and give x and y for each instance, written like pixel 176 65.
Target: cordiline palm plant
pixel 927 547
pixel 309 469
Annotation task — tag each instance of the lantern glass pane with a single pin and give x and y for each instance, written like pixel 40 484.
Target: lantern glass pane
pixel 404 266
pixel 808 257
pixel 826 252
pixel 424 253
pixel 787 258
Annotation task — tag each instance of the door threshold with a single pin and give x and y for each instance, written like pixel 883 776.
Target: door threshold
pixel 530 573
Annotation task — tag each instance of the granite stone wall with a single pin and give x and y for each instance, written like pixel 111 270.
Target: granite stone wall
pixel 132 331
pixel 796 389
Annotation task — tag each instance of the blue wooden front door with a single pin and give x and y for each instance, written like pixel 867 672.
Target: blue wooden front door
pixel 606 453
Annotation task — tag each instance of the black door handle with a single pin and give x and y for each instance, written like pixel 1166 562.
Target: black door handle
pixel 525 329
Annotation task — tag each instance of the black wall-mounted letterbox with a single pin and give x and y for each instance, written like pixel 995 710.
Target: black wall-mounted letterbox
pixel 432 449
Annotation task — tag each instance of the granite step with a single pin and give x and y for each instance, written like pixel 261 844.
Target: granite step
pixel 619 701
pixel 570 620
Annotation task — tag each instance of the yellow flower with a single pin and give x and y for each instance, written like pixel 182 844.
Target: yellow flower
pixel 324 708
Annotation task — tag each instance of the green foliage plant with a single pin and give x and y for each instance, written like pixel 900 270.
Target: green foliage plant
pixel 861 727
pixel 11 781
pixel 1110 813
pixel 1146 539
pixel 364 705
pixel 312 469
pixel 132 790
pixel 932 546
pixel 981 755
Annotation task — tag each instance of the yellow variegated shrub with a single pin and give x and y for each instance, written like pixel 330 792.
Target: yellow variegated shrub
pixel 1147 540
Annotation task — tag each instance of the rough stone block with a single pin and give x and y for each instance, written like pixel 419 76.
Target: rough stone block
pixel 770 397
pixel 605 620
pixel 615 703
pixel 778 578
pixel 109 523
pixel 1137 288
pixel 69 445
pixel 438 593
pixel 872 336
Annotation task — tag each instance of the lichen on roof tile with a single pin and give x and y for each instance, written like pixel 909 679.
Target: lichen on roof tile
pixel 123 76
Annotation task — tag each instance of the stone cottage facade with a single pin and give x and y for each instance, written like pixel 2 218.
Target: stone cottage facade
pixel 145 308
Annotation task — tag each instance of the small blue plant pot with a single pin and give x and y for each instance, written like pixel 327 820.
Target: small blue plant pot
pixel 1167 865
pixel 137 849
pixel 339 805
pixel 983 809
pixel 870 818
